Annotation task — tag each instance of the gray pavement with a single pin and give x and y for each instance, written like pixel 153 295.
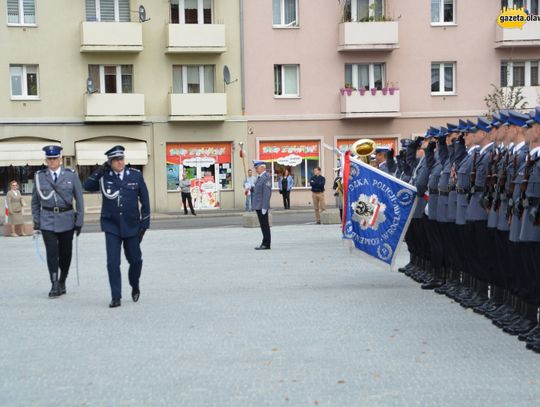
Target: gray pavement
pixel 220 324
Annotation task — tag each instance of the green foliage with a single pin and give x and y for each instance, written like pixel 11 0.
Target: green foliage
pixel 505 98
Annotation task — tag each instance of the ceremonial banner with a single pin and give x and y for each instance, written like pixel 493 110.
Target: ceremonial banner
pixel 377 209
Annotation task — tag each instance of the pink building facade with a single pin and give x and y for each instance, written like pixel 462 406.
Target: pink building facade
pixel 407 64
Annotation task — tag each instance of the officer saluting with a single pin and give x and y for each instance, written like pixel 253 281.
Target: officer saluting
pixel 121 220
pixel 262 191
pixel 53 215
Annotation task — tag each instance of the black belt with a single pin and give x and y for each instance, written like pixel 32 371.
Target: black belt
pixel 451 188
pixel 433 191
pixel 528 202
pixel 478 189
pixel 56 209
pixel 462 191
pixel 443 193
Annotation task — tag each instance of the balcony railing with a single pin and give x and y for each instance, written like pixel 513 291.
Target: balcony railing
pixel 114 107
pixel 368 105
pixel 111 37
pixel 197 106
pixel 527 36
pixel 196 38
pixel 368 36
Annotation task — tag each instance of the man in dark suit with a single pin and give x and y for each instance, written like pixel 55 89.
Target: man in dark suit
pixel 123 189
pixel 262 191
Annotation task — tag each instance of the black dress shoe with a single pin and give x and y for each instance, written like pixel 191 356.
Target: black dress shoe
pixel 262 247
pixel 114 304
pixel 431 284
pixel 55 290
pixel 135 294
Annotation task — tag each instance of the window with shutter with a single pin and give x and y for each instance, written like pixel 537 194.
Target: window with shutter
pixel 13 11
pixel 29 10
pixel 123 10
pixel 21 12
pixel 106 10
pixel 90 10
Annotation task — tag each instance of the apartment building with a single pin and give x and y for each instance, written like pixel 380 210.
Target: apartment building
pixel 320 74
pixel 90 74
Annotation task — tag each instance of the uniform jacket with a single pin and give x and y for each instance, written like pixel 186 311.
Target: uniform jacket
pixel 44 196
pixel 493 214
pixel 464 169
pixel 521 156
pixel 475 212
pixel 420 176
pixel 126 205
pixel 460 152
pixel 444 180
pixel 441 156
pixel 529 231
pixel 262 191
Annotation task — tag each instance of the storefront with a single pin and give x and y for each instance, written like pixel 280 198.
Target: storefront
pixel 208 166
pixel 299 157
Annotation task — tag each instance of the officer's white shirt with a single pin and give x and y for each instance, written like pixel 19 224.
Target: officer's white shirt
pixel 120 174
pixel 535 152
pixel 57 172
pixel 518 147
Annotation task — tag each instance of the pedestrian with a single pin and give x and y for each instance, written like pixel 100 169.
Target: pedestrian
pixel 317 182
pixel 123 190
pixel 53 214
pixel 262 192
pixel 249 183
pixel 15 203
pixel 285 184
pixel 338 193
pixel 185 191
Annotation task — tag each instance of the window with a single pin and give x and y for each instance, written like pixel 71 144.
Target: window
pixel 107 10
pixel 24 81
pixel 112 78
pixel 284 13
pixel 21 12
pixel 365 76
pixel 23 174
pixel 191 11
pixel 520 73
pixel 299 157
pixel 443 11
pixel 193 78
pixel 443 78
pixel 363 10
pixel 530 5
pixel 286 81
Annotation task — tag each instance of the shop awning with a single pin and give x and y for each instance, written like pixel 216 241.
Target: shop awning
pixel 93 152
pixel 23 153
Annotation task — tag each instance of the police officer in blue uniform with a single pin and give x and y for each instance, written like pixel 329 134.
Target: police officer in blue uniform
pixel 125 216
pixel 262 192
pixel 53 214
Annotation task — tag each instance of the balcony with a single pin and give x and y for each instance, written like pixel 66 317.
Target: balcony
pixel 114 107
pixel 196 38
pixel 527 36
pixel 531 96
pixel 370 106
pixel 111 37
pixel 197 107
pixel 370 36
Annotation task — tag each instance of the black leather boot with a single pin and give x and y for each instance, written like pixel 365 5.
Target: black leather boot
pixel 55 289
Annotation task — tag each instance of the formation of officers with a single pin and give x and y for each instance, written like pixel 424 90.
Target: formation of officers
pixel 125 216
pixel 475 233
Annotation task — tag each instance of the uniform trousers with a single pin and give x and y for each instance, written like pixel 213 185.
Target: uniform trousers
pixel 132 250
pixel 59 248
pixel 435 241
pixel 265 227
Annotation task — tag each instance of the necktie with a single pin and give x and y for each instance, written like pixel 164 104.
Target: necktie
pixel 55 177
pixel 118 176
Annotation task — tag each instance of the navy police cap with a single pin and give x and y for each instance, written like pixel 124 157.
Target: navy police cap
pixel 484 124
pixel 115 152
pixel 52 151
pixel 517 118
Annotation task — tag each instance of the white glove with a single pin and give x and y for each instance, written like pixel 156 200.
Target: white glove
pixel 264 211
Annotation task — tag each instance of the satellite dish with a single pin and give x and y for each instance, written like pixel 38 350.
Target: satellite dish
pixel 142 14
pixel 90 87
pixel 226 75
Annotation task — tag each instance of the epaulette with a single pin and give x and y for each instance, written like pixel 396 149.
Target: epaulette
pixel 134 169
pixel 69 170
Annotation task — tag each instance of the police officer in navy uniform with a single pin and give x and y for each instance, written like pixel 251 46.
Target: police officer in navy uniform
pixel 124 192
pixel 262 191
pixel 53 214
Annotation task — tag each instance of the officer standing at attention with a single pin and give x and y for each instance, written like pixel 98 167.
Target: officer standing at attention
pixel 262 191
pixel 123 189
pixel 53 215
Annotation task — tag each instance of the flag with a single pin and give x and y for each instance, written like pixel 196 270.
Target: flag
pixel 377 209
pixel 6 211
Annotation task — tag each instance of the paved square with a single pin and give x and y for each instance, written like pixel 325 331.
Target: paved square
pixel 220 324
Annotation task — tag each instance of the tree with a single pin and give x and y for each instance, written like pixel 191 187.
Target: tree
pixel 505 98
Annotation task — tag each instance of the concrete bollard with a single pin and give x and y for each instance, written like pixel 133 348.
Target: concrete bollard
pixel 330 217
pixel 250 220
